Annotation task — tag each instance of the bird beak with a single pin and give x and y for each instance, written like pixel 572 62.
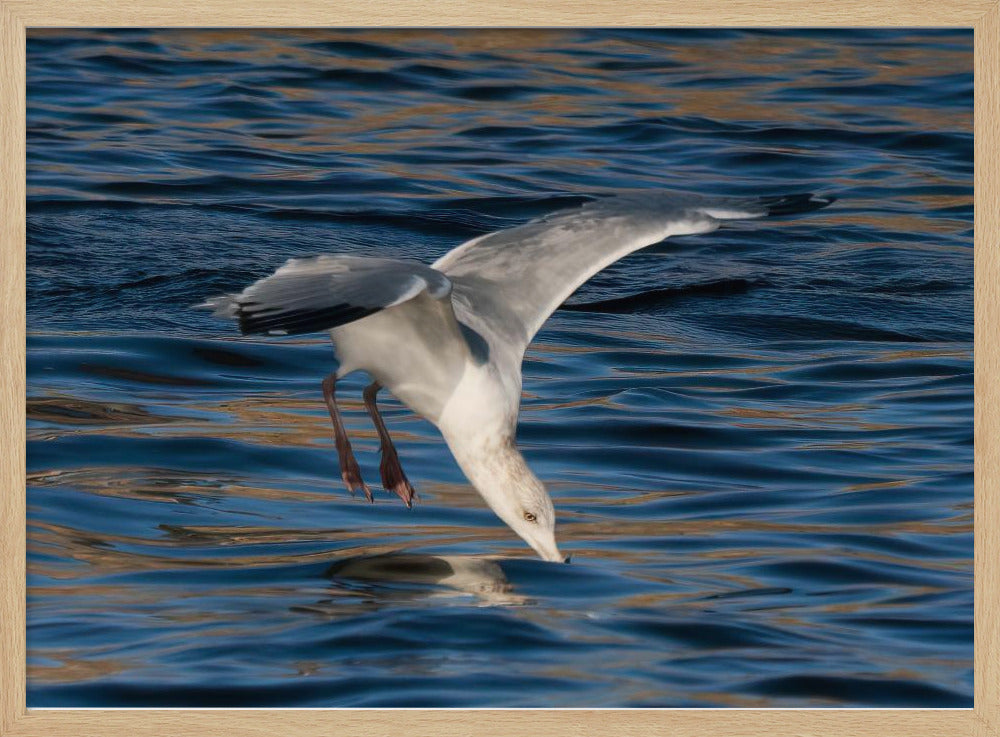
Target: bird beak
pixel 550 553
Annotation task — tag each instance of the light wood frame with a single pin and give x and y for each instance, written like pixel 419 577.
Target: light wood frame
pixel 16 15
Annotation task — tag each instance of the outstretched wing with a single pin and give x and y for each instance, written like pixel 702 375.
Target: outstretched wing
pixel 510 281
pixel 312 294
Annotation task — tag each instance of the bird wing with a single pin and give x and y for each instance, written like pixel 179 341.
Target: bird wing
pixel 507 283
pixel 307 295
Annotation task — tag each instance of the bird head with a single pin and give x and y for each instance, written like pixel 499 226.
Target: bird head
pixel 491 461
pixel 499 473
pixel 526 507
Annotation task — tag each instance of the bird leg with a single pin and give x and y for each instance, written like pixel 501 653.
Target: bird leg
pixel 349 469
pixel 393 478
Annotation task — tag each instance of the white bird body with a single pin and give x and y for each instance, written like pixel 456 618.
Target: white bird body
pixel 448 340
pixel 414 350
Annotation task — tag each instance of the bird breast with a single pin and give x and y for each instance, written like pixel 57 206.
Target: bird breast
pixel 482 410
pixel 420 361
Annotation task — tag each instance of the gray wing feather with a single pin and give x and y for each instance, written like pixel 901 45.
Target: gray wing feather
pixel 508 283
pixel 315 294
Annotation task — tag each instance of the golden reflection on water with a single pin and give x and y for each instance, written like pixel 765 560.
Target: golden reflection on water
pixel 403 119
pixel 68 410
pixel 271 419
pixel 119 553
pixel 72 669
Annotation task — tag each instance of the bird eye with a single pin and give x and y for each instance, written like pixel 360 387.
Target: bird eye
pixel 530 517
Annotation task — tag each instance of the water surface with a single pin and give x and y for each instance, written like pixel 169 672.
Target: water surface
pixel 759 441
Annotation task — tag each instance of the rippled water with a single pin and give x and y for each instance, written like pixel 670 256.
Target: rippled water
pixel 759 441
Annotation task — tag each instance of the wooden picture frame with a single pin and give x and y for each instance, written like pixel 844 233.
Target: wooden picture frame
pixel 18 15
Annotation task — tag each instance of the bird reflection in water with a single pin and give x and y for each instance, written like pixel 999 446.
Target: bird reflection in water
pixel 401 576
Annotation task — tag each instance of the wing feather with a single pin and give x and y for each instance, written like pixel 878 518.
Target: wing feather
pixel 508 283
pixel 323 292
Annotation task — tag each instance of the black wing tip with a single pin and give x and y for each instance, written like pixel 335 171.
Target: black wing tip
pixel 297 322
pixel 793 204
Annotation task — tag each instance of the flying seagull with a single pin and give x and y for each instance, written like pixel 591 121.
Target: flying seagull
pixel 448 339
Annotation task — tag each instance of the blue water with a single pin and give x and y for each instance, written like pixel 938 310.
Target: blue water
pixel 759 440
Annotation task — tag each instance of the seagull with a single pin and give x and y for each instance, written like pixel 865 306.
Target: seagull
pixel 448 339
